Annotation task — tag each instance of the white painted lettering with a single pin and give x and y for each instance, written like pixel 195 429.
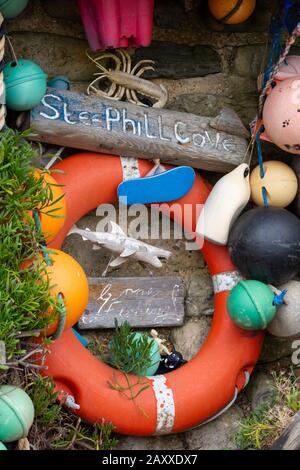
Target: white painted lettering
pixel 178 135
pixel 150 136
pixel 199 140
pixel 207 137
pixel 67 115
pixel 52 108
pixel 83 117
pixel 161 130
pixel 128 123
pixel 139 128
pixel 95 118
pixel 110 118
pixel 229 145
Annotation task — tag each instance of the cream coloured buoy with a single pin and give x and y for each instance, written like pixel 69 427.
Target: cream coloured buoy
pixel 227 199
pixel 280 182
pixel 296 203
pixel 286 323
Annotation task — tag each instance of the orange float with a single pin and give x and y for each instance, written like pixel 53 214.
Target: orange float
pixel 195 393
pixel 67 278
pixel 50 225
pixel 231 11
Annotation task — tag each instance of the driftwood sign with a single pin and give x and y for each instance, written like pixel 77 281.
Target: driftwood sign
pixel 102 125
pixel 142 301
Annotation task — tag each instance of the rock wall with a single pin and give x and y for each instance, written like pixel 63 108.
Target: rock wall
pixel 204 64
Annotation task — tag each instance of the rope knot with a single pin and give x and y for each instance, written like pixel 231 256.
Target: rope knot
pixel 279 298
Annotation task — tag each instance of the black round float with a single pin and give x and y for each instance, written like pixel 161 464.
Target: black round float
pixel 265 245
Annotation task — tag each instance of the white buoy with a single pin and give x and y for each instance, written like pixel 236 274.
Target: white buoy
pixel 286 323
pixel 224 204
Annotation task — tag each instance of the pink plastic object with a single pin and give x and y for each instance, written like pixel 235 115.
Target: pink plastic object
pixel 290 68
pixel 117 23
pixel 281 115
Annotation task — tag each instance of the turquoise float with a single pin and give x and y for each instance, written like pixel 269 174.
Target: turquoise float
pixel 25 84
pixel 155 355
pixel 2 446
pixel 154 352
pixel 16 413
pixel 251 305
pixel 59 82
pixel 12 8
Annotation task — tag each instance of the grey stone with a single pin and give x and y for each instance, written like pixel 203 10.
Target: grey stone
pixel 261 390
pixel 66 9
pixel 248 60
pixel 199 103
pixel 162 15
pixel 275 348
pixel 189 338
pixel 180 60
pixel 57 55
pixel 244 104
pixel 218 434
pixel 38 17
pixel 173 442
pixel 199 298
pixel 206 96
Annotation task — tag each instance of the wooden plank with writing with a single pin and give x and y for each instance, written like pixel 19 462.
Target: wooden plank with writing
pixel 142 301
pixel 103 125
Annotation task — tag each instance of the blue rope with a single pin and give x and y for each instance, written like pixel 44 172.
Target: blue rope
pixel 63 311
pixel 285 20
pixel 265 197
pixel 276 31
pixel 261 164
pixel 279 299
pixel 62 317
pixel 38 227
pixel 291 14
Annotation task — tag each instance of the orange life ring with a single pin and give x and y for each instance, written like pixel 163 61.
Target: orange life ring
pixel 181 399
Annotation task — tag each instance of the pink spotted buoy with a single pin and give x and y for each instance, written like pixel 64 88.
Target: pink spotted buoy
pixel 281 115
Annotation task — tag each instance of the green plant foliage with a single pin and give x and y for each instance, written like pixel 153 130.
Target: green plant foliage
pixel 24 292
pixel 128 354
pixel 82 436
pixel 56 428
pixel 263 426
pixel 25 299
pixel 44 398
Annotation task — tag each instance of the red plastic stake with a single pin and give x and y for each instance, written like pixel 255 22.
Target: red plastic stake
pixel 117 23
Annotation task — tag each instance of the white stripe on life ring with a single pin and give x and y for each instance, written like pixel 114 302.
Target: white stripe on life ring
pixel 165 405
pixel 226 281
pixel 130 168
